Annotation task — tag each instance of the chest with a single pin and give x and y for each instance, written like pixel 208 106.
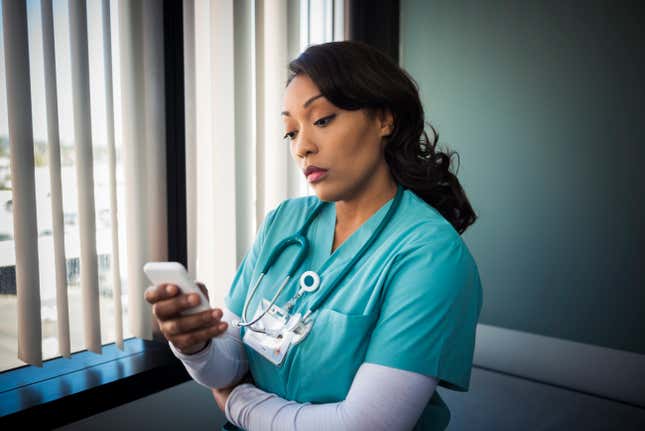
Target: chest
pixel 321 368
pixel 339 238
pixel 340 235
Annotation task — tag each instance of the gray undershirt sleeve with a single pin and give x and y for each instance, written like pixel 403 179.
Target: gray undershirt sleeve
pixel 380 398
pixel 220 364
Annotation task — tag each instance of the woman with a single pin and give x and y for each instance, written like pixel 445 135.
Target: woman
pixel 399 295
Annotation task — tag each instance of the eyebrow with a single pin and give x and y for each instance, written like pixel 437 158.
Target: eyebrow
pixel 307 103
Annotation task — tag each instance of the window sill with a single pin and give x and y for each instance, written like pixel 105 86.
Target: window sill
pixel 67 390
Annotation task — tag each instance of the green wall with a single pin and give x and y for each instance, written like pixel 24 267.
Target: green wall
pixel 543 101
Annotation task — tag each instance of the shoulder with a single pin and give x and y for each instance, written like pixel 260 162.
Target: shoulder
pixel 430 251
pixel 421 225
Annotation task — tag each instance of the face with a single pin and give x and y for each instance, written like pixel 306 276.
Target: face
pixel 346 146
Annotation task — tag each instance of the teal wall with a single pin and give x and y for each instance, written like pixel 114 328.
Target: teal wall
pixel 544 103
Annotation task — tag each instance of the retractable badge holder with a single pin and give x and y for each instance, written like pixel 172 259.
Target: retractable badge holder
pixel 309 282
pixel 277 330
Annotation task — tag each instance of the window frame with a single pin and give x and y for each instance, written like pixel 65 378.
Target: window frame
pixel 385 36
pixel 67 390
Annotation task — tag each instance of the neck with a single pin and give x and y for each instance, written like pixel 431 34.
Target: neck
pixel 353 212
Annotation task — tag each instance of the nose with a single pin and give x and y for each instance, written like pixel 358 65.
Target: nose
pixel 304 145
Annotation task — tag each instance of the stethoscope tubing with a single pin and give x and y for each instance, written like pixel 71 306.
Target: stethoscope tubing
pixel 299 238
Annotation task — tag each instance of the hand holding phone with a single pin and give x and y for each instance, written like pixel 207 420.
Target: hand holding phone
pixel 174 273
pixel 181 308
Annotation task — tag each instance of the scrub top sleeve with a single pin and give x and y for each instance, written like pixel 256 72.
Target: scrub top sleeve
pixel 428 317
pixel 236 295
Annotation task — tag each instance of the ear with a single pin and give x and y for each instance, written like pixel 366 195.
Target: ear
pixel 386 122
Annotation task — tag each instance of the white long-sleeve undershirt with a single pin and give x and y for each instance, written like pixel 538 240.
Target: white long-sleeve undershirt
pixel 220 364
pixel 379 398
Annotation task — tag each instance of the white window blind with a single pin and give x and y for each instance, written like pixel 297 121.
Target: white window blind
pixel 112 162
pixel 105 121
pixel 14 19
pixel 53 139
pixel 84 174
pixel 143 128
pixel 113 172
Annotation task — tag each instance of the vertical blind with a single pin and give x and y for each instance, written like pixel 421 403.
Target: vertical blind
pixel 237 166
pixel 109 113
pixel 53 139
pixel 84 174
pixel 143 130
pixel 140 111
pixel 21 141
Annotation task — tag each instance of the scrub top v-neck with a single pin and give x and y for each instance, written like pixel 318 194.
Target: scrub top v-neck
pixel 411 302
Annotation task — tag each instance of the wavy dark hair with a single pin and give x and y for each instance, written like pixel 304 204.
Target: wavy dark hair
pixel 353 75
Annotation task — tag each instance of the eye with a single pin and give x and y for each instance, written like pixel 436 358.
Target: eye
pixel 289 136
pixel 323 122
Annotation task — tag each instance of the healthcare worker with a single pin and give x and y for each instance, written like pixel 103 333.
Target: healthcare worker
pixel 354 304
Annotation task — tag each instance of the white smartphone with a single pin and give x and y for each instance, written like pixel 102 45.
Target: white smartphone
pixel 175 273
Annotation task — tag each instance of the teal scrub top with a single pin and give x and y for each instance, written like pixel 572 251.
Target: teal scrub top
pixel 412 302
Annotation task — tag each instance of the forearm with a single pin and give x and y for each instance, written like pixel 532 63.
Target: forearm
pixel 222 363
pixel 380 398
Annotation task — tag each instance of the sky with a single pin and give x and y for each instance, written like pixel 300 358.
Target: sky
pixel 63 73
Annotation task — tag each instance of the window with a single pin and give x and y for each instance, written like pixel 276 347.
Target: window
pixel 42 175
pixel 29 393
pixel 141 367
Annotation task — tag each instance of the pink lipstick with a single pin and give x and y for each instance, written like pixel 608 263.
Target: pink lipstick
pixel 315 174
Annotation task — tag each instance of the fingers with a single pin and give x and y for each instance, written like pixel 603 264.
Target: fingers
pixel 166 308
pixel 190 339
pixel 163 291
pixel 191 323
pixel 185 332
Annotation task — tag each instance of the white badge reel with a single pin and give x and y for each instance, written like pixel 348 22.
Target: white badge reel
pixel 277 331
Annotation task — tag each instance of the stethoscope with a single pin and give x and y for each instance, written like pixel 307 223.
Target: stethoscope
pixel 310 280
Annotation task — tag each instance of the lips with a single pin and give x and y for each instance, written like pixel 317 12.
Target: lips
pixel 314 173
pixel 312 169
